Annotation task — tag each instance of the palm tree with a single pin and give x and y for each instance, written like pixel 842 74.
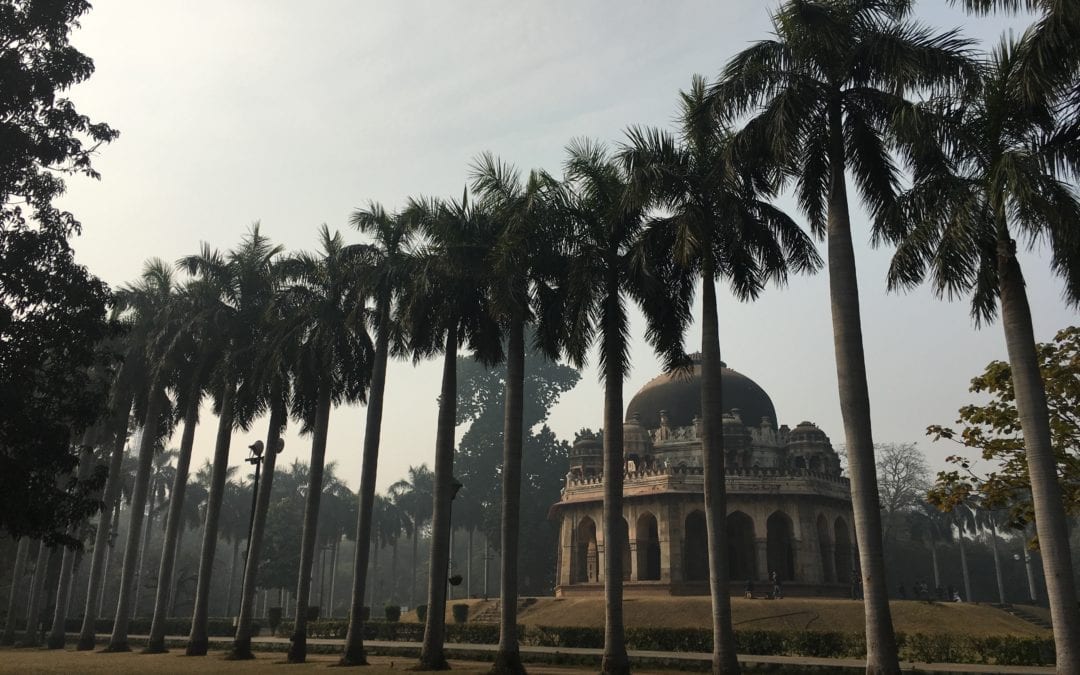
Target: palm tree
pixel 824 92
pixel 273 379
pixel 448 306
pixel 989 519
pixel 963 519
pixel 717 226
pixel 244 282
pixel 604 220
pixel 524 267
pixel 933 527
pixel 414 495
pixel 120 403
pixel 384 272
pixel 199 354
pixel 161 476
pixel 337 519
pixel 67 563
pixel 1003 176
pixel 17 574
pixel 37 593
pixel 333 364
pixel 147 302
pixel 1048 60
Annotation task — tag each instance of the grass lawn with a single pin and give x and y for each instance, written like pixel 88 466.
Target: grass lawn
pixel 42 661
pixel 815 614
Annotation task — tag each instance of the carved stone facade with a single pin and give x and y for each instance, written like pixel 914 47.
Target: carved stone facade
pixel 789 507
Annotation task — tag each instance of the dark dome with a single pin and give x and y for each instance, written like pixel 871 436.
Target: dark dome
pixel 680 396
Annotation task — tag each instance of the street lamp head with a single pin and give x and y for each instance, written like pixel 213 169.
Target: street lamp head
pixel 256 448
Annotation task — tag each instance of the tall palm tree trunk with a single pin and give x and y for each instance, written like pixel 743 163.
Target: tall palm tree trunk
pixel 37 593
pixel 616 659
pixel 724 659
pixel 298 650
pixel 108 521
pixel 333 577
pixel 394 574
pixel 232 575
pixel 1050 522
pixel 415 556
pixel 174 578
pixel 432 655
pixel 964 570
pixel 354 639
pixel 114 532
pixel 508 658
pixel 881 650
pixel 17 574
pixel 145 544
pixel 997 561
pixel 241 648
pixel 118 642
pixel 174 525
pixel 198 641
pixel 468 562
pixel 933 557
pixel 67 564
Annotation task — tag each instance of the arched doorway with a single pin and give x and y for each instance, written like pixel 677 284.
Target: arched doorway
pixel 781 546
pixel 843 551
pixel 648 548
pixel 695 548
pixel 585 565
pixel 825 549
pixel 742 561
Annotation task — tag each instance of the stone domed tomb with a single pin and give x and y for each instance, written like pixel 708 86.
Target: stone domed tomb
pixel 788 506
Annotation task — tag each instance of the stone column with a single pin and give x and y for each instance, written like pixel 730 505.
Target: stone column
pixel 635 571
pixel 566 550
pixel 762 545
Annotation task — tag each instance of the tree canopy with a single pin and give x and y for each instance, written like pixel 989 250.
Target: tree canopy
pixel 992 430
pixel 52 310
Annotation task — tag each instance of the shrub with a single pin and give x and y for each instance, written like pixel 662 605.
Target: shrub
pixel 421 613
pixel 273 617
pixel 461 612
pixel 365 613
pixel 313 613
pixel 392 612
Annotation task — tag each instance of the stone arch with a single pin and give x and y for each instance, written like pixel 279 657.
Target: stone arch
pixel 825 549
pixel 842 550
pixel 624 547
pixel 584 568
pixel 780 547
pixel 648 548
pixel 800 462
pixel 695 547
pixel 742 559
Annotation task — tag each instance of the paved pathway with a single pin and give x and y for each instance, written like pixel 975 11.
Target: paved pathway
pixel 668 660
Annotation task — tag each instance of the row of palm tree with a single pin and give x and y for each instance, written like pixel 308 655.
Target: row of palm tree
pixel 854 88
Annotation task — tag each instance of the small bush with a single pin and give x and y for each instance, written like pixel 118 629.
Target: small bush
pixel 313 613
pixel 421 613
pixel 461 613
pixel 392 612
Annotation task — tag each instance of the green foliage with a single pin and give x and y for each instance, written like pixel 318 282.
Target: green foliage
pixel 481 391
pixel 392 613
pixel 52 310
pixel 421 613
pixel 219 627
pixel 993 430
pixel 461 612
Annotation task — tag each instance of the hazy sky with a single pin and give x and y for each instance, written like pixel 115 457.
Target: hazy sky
pixel 293 114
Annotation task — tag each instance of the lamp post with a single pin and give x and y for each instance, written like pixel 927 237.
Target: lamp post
pixel 255 457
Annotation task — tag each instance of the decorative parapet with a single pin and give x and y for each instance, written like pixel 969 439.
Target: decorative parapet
pixel 739 480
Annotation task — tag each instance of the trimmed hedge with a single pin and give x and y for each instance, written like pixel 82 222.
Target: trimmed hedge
pixel 221 627
pixel 1006 650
